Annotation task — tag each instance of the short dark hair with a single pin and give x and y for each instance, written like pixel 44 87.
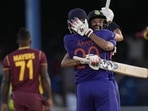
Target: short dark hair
pixel 23 34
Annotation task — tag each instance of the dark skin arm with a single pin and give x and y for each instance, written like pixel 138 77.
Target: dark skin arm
pixel 5 90
pixel 46 84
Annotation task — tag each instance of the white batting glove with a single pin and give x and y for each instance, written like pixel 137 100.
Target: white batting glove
pixel 108 13
pixel 94 61
pixel 81 28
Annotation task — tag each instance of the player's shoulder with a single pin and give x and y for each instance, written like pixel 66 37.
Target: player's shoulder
pixel 114 23
pixel 105 34
pixel 112 26
pixel 12 53
pixel 66 36
pixel 38 50
pixel 107 31
pixel 103 31
pixel 69 37
pixel 111 34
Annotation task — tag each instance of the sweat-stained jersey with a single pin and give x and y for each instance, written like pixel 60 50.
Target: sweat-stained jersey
pixel 25 66
pixel 77 45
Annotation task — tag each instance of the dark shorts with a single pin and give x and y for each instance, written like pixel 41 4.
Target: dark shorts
pixel 24 101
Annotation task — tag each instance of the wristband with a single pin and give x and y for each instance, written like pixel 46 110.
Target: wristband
pixel 88 32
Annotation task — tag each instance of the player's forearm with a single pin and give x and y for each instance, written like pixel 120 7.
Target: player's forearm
pixel 69 63
pixel 105 45
pixel 47 87
pixel 4 92
pixel 118 37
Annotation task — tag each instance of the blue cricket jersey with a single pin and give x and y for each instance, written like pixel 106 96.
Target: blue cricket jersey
pixel 112 26
pixel 77 45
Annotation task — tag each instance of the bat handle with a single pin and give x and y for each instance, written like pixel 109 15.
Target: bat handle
pixel 107 4
pixel 81 59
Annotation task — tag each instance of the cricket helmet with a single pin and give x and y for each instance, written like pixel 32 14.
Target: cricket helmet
pixel 77 12
pixel 95 14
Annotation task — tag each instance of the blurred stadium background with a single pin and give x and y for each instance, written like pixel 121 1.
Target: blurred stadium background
pixel 47 21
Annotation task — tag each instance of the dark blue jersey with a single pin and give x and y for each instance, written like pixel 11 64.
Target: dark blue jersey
pixel 112 26
pixel 77 45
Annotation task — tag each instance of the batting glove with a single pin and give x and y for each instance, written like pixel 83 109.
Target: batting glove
pixel 94 61
pixel 81 28
pixel 108 13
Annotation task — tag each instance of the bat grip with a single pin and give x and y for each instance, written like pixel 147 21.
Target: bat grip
pixel 81 59
pixel 107 4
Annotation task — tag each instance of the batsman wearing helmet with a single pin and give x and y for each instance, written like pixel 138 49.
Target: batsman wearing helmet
pixel 117 30
pixel 94 18
pixel 94 91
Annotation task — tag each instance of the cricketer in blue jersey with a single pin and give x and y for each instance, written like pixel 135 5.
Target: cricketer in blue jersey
pixel 117 30
pixel 94 91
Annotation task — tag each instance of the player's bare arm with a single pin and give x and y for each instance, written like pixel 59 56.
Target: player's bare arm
pixel 119 37
pixel 105 45
pixel 5 90
pixel 68 62
pixel 46 83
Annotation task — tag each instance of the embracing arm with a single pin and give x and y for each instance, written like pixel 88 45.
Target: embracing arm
pixel 119 35
pixel 68 62
pixel 105 45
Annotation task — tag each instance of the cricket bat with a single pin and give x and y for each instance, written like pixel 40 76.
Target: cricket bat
pixel 119 68
pixel 107 4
